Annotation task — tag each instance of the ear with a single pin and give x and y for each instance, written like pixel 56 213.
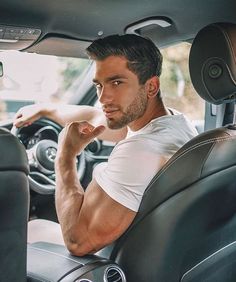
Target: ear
pixel 152 86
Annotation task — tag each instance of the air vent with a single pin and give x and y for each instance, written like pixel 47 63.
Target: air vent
pixel 114 274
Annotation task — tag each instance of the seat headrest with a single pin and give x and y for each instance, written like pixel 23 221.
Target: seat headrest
pixel 212 63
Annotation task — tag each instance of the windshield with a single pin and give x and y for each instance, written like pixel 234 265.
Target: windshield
pixel 31 78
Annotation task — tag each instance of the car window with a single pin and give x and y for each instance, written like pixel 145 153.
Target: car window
pixel 177 89
pixel 31 78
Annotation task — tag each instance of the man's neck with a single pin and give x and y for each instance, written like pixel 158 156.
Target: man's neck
pixel 153 111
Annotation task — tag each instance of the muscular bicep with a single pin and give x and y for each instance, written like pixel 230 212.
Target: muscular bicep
pixel 104 218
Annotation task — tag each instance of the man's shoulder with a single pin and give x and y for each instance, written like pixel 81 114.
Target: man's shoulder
pixel 131 144
pixel 177 123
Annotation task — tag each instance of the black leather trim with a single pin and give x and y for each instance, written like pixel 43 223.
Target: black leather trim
pixel 15 157
pixel 212 63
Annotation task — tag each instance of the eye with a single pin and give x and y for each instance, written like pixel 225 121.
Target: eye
pixel 98 86
pixel 116 82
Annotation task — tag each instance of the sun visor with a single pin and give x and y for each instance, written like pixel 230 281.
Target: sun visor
pixel 59 46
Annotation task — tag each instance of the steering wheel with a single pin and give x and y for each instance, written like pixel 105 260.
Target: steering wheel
pixel 41 150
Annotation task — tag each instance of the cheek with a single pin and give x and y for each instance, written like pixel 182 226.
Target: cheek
pixel 125 101
pixel 127 94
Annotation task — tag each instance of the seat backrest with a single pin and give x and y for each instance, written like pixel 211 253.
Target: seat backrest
pixel 185 229
pixel 14 207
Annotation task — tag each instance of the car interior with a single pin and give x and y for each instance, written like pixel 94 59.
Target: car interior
pixel 185 229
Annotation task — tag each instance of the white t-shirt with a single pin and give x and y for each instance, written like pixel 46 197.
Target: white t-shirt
pixel 135 160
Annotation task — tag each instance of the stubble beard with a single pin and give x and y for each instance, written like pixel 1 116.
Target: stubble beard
pixel 134 111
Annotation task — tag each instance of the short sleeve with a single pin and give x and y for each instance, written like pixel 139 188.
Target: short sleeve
pixel 126 175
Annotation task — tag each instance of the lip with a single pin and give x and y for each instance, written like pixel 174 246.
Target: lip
pixel 109 113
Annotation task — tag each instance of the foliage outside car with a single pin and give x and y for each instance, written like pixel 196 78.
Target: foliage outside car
pixel 177 89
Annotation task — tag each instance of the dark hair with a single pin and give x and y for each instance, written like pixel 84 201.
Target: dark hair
pixel 144 58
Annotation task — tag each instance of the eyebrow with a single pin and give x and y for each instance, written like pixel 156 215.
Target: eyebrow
pixel 108 79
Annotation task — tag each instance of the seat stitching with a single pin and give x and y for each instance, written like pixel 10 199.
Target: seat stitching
pixel 216 139
pixel 207 155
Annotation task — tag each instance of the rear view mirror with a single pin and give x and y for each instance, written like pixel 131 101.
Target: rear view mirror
pixel 1 69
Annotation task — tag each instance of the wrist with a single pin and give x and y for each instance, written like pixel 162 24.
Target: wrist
pixel 65 161
pixel 66 174
pixel 47 110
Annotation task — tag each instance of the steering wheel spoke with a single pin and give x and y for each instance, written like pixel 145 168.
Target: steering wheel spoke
pixel 40 181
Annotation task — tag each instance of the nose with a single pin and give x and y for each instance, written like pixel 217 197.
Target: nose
pixel 104 96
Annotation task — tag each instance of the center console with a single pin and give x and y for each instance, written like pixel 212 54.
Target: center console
pixel 47 262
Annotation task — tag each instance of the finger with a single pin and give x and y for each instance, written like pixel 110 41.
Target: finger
pixel 27 124
pixel 18 115
pixel 86 127
pixel 81 125
pixel 97 131
pixel 20 122
pixel 87 130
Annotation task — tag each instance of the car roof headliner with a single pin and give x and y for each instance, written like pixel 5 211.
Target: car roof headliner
pixel 69 26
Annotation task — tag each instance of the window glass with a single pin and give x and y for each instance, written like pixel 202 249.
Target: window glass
pixel 32 78
pixel 177 89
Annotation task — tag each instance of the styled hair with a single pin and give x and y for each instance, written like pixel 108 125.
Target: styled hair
pixel 144 58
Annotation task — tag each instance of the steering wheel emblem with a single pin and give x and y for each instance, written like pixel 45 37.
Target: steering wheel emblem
pixel 51 153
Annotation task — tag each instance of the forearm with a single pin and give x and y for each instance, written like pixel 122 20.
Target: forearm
pixel 69 193
pixel 63 113
pixel 69 200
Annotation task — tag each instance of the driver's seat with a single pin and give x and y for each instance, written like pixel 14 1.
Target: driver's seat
pixel 185 229
pixel 14 208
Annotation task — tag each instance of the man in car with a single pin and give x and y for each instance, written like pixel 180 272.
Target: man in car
pixel 127 75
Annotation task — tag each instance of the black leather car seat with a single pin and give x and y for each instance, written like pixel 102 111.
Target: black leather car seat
pixel 185 229
pixel 14 206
